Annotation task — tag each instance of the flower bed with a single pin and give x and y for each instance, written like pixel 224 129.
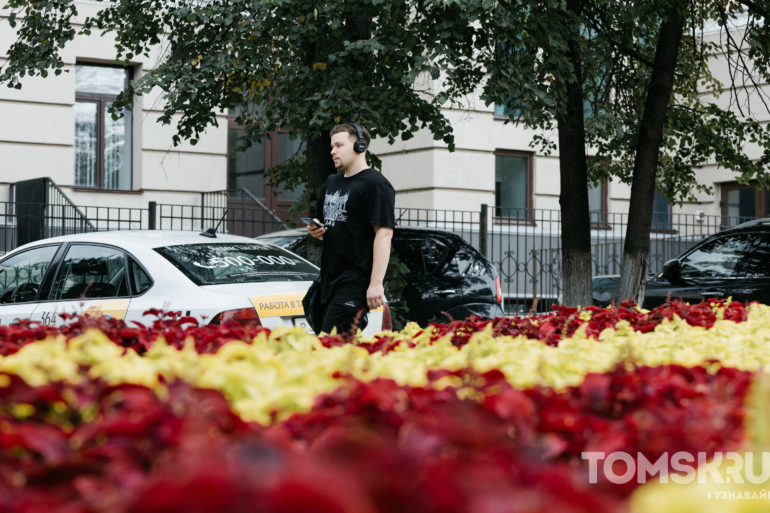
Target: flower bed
pixel 550 328
pixel 470 416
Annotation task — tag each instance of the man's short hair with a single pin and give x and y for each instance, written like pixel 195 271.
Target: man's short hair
pixel 349 128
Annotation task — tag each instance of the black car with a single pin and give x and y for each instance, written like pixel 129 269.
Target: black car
pixel 735 262
pixel 446 274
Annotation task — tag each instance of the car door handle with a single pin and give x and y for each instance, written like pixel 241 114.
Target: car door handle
pixel 445 292
pixel 712 293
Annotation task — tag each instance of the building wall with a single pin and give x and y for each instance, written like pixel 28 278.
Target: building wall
pixel 426 175
pixel 37 134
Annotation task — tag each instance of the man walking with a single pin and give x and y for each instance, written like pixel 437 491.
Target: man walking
pixel 357 209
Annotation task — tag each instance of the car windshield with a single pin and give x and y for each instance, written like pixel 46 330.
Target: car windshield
pixel 217 264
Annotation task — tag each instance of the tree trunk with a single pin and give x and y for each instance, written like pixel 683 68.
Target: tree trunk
pixel 319 166
pixel 637 244
pixel 319 160
pixel 573 198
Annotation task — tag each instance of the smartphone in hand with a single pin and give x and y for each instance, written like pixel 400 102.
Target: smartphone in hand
pixel 312 222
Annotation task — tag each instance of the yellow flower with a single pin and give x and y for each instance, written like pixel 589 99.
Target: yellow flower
pixel 336 119
pixel 320 65
pixel 285 371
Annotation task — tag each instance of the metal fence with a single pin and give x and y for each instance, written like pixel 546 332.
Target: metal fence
pixel 116 218
pixel 525 244
pixel 462 222
pixel 38 209
pixel 47 212
pixel 247 215
pixel 61 215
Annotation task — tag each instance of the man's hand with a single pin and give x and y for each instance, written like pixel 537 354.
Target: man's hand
pixel 375 296
pixel 315 231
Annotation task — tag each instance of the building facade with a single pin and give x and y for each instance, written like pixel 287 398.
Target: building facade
pixel 59 127
pixel 493 163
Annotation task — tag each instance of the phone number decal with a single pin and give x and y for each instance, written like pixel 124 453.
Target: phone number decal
pixel 242 260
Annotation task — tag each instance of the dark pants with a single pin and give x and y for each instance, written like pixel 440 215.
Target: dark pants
pixel 341 313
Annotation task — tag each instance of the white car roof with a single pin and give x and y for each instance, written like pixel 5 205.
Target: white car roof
pixel 144 239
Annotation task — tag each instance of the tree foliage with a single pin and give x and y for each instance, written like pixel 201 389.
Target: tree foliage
pixel 282 63
pixel 308 65
pixel 709 119
pixel 528 72
pixel 305 65
pixel 540 61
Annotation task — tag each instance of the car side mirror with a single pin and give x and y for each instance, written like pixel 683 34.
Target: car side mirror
pixel 672 270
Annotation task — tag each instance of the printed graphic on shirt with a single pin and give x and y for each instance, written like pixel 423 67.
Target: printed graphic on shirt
pixel 334 208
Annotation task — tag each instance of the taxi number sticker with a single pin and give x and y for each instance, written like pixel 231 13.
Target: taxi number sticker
pixel 279 304
pixel 115 308
pixel 282 305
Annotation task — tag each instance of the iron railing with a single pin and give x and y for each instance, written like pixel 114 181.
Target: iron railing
pixel 44 211
pixel 525 244
pixel 47 212
pixel 117 218
pixel 247 215
pixel 233 217
pixel 462 222
pixel 63 216
pixel 22 222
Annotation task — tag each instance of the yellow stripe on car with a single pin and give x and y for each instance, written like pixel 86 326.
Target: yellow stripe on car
pixel 115 308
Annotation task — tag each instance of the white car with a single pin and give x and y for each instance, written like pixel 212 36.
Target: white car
pixel 123 274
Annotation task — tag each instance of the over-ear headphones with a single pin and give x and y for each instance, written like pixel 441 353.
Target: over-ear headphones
pixel 360 144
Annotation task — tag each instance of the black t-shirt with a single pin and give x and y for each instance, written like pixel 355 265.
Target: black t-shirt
pixel 350 207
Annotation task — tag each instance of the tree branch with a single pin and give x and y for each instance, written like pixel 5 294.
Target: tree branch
pixel 629 52
pixel 756 8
